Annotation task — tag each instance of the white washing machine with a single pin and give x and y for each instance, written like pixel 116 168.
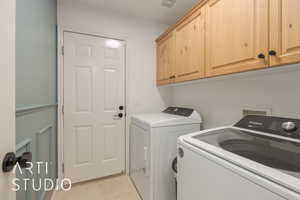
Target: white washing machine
pixel 257 158
pixel 153 140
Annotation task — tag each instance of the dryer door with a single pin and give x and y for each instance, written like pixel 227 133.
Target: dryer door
pixel 140 160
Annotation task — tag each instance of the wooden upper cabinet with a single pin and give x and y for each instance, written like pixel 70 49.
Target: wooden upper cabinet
pixel 284 32
pixel 220 37
pixel 236 36
pixel 165 60
pixel 189 48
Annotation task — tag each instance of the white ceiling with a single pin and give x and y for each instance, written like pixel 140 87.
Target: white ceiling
pixel 147 9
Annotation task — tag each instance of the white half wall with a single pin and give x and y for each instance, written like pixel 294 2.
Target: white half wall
pixel 221 100
pixel 141 91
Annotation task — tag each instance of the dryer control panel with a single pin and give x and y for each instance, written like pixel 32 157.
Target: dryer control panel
pixel 186 112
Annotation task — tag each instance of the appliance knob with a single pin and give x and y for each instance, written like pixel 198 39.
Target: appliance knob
pixel 289 126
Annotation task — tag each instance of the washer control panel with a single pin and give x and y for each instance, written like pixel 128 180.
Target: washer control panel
pixel 186 112
pixel 274 125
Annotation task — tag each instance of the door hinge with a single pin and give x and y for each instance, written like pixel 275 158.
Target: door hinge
pixel 63 50
pixel 63 109
pixel 63 168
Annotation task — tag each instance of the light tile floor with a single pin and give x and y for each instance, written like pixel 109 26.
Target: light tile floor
pixel 113 188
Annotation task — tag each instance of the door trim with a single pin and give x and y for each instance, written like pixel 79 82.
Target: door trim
pixel 60 94
pixel 8 88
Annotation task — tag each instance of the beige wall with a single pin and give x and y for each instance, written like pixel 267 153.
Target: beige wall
pixel 221 100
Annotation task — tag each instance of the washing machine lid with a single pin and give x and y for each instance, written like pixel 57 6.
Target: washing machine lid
pixel 166 118
pixel 277 153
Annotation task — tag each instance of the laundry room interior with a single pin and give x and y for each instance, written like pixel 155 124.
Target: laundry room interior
pixel 151 100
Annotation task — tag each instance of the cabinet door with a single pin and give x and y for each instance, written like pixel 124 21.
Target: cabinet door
pixel 236 36
pixel 190 55
pixel 165 60
pixel 284 32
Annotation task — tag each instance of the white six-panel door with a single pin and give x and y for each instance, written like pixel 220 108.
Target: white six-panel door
pixel 94 85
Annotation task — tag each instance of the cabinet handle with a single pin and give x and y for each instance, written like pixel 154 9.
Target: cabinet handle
pixel 272 53
pixel 261 56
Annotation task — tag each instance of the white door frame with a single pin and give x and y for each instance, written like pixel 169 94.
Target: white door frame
pixel 60 93
pixel 7 90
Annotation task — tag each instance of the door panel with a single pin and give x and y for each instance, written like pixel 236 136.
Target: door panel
pixel 190 47
pixel 83 89
pixel 236 33
pixel 94 137
pixel 284 31
pixel 84 144
pixel 165 60
pixel 110 137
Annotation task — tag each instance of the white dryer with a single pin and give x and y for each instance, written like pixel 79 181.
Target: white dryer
pixel 153 139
